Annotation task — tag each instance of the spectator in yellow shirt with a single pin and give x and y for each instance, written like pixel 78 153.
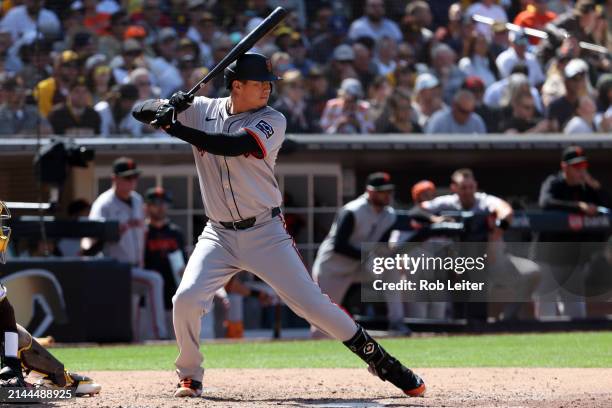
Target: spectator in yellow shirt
pixel 54 90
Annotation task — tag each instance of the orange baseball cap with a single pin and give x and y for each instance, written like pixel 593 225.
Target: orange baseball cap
pixel 420 187
pixel 134 31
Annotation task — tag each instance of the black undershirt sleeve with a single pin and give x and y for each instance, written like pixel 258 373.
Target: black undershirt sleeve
pixel 548 201
pixel 223 144
pixel 344 229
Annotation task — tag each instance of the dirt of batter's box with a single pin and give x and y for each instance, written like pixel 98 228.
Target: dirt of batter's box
pixel 447 387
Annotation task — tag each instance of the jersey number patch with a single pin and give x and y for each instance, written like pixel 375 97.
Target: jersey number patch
pixel 266 128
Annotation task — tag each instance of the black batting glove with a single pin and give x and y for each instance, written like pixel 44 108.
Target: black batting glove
pixel 181 101
pixel 165 117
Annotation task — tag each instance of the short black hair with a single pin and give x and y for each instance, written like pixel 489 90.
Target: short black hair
pixel 520 68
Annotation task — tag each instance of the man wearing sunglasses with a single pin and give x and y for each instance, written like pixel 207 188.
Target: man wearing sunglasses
pixel 460 118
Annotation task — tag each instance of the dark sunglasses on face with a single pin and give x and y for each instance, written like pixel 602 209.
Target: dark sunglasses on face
pixel 528 107
pixel 462 110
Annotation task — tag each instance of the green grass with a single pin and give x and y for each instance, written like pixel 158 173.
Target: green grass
pixel 524 350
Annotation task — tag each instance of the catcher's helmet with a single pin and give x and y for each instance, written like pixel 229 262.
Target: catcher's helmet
pixel 249 66
pixel 5 232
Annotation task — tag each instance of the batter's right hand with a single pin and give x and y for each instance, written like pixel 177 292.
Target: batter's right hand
pixel 181 101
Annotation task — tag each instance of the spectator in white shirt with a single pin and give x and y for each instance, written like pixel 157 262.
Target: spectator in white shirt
pixel 518 53
pixel 374 24
pixel 494 94
pixel 163 67
pixel 477 60
pixel 30 17
pixel 583 122
pixel 204 32
pixel 116 113
pixel 427 98
pixel 487 8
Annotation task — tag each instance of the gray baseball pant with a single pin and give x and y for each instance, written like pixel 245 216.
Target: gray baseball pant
pixel 269 252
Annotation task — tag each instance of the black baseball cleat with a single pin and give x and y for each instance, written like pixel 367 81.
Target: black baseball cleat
pixel 384 365
pixel 10 378
pixel 402 377
pixel 188 388
pixel 11 374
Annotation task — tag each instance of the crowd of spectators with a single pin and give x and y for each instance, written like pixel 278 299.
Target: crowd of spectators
pixel 369 66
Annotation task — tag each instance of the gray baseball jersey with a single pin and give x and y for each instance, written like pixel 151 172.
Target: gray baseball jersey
pixel 335 272
pixel 483 203
pixel 130 247
pixel 235 188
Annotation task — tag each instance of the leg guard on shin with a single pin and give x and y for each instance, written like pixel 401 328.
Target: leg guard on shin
pixel 35 357
pixel 7 317
pixel 385 366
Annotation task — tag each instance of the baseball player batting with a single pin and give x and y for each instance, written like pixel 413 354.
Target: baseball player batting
pixel 235 144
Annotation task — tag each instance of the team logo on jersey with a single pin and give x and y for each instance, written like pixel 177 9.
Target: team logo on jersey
pixel 266 128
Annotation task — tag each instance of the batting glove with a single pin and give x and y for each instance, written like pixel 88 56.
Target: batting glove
pixel 181 101
pixel 165 117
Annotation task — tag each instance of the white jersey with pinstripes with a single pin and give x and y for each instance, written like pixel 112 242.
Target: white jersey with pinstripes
pixel 236 188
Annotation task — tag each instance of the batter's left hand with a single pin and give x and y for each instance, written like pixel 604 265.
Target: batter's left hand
pixel 165 117
pixel 181 100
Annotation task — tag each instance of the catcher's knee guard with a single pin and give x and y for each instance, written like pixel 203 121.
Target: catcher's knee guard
pixel 35 357
pixel 384 365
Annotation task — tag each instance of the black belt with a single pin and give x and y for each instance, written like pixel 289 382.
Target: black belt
pixel 247 223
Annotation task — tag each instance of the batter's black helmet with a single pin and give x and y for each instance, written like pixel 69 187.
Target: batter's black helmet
pixel 249 66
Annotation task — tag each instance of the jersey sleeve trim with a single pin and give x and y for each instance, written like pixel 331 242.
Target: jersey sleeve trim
pixel 263 152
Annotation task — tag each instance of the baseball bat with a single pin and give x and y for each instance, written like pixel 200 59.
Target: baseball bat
pixel 243 46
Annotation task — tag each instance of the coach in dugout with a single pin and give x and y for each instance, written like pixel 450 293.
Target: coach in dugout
pixel 504 270
pixel 123 204
pixel 572 190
